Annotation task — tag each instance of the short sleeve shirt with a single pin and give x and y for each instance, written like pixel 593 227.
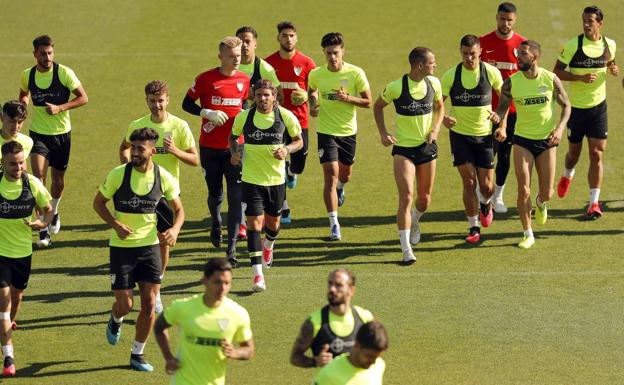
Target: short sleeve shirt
pixel 266 71
pixel 341 372
pixel 22 139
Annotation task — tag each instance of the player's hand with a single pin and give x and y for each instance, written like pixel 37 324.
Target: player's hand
pixel 494 118
pixel 37 224
pixel 432 136
pixel 53 109
pixel 122 230
pixel 171 365
pixel 298 96
pixel 314 110
pixel 235 159
pixel 170 236
pixel 169 145
pixel 555 137
pixel 280 153
pixel 387 139
pixel 614 69
pixel 216 117
pixel 589 78
pixel 324 356
pixel 449 122
pixel 228 349
pixel 341 95
pixel 500 134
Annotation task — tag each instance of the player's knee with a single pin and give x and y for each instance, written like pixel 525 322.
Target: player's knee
pixel 486 191
pixel 423 201
pixel 595 155
pixel 5 304
pixel 148 305
pixel 524 192
pixel 406 200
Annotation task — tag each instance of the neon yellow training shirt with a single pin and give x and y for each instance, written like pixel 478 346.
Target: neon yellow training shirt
pixel 534 104
pixel 266 72
pixel 22 139
pixel 341 372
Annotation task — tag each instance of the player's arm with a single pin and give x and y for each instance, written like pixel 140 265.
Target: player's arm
pixel 171 234
pixel 38 223
pixel 124 151
pixel 386 138
pixel 244 351
pixel 504 101
pixel 562 99
pixel 313 102
pixel 282 152
pixel 235 150
pixel 188 156
pixel 24 96
pixel 162 338
pixel 301 345
pixel 215 116
pixel 563 74
pixel 80 100
pixel 448 120
pixel 99 205
pixel 438 117
pixel 365 100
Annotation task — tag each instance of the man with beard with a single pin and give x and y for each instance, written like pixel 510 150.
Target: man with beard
pixel 535 142
pixel 136 188
pixel 292 69
pixel 331 330
pixel 13 117
pixel 20 194
pixel 499 49
pixel 175 144
pixel 263 128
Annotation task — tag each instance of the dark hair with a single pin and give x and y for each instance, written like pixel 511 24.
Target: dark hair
pixel 14 109
pixel 533 46
pixel 507 7
pixel 156 87
pixel 264 83
pixel 12 147
pixel 348 272
pixel 245 29
pixel 142 134
pixel 332 38
pixel 285 25
pixel 418 56
pixel 469 41
pixel 43 40
pixel 372 335
pixel 216 264
pixel 596 11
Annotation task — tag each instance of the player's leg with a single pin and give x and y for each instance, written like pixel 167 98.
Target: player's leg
pixel 523 165
pixel 212 168
pixel 545 164
pixel 595 174
pixel 485 178
pixel 253 197
pixel 273 204
pixel 425 176
pixel 503 164
pixel 60 149
pixel 233 174
pixel 8 368
pixel 39 168
pixel 123 262
pixel 404 174
pixel 577 126
pixel 468 174
pixel 346 146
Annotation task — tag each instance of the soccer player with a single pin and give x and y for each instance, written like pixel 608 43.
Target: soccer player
pixel 331 330
pixel 536 137
pixel 292 69
pixel 20 194
pixel 221 92
pixel 499 49
pixel 263 128
pixel 175 144
pixel 469 85
pixel 135 189
pixel 213 329
pixel 589 56
pixel 417 99
pixel 341 88
pixel 50 86
pixel 364 364
pixel 13 116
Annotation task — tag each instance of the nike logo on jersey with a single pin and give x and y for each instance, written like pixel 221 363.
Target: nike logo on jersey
pixel 217 87
pixel 489 50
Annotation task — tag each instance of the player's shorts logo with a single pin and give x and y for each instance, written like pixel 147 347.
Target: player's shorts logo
pixel 297 70
pixel 113 278
pixel 239 86
pixel 321 152
pixel 223 323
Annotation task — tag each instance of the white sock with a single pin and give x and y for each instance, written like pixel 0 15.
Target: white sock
pixel 539 203
pixel 594 194
pixel 268 244
pixel 340 185
pixel 7 350
pixel 498 191
pixel 333 218
pixel 285 205
pixel 290 173
pixel 483 200
pixel 404 236
pixel 528 233
pixel 243 207
pixel 416 215
pixel 256 269
pixel 568 172
pixel 138 347
pixel 118 320
pixel 473 221
pixel 54 202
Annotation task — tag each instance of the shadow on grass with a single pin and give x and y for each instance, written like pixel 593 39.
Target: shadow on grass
pixel 33 370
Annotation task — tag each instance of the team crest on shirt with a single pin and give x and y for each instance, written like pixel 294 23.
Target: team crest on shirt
pixel 298 70
pixel 239 85
pixel 344 82
pixel 223 323
pixel 542 89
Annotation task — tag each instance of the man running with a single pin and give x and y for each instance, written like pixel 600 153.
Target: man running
pixel 469 85
pixel 418 103
pixel 263 128
pixel 341 88
pixel 292 69
pixel 135 189
pixel 175 144
pixel 13 116
pixel 20 194
pixel 589 56
pixel 535 142
pixel 50 86
pixel 499 49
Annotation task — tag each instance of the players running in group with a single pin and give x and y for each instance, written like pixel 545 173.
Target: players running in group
pixel 589 56
pixel 417 98
pixel 263 129
pixel 341 88
pixel 537 136
pixel 469 86
pixel 50 86
pixel 135 189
